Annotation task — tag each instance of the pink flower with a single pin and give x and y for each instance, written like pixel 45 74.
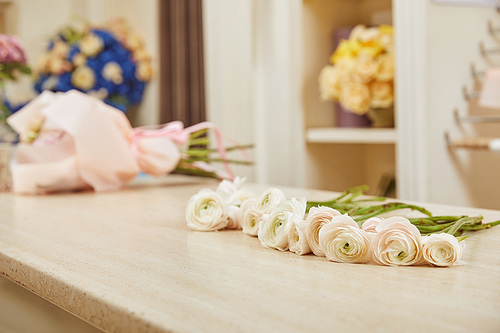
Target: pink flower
pixel 371 224
pixel 442 249
pixel 317 218
pixel 11 50
pixel 397 242
pixel 343 241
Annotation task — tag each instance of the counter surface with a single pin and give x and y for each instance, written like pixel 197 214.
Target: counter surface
pixel 125 261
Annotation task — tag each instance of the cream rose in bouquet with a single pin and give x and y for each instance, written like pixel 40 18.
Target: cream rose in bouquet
pixel 361 74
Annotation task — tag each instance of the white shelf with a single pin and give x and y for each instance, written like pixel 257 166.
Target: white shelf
pixel 352 135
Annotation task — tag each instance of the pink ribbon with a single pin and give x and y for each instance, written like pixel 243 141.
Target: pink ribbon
pixel 176 132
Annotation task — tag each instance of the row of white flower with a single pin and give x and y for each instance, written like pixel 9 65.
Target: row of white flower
pixel 283 225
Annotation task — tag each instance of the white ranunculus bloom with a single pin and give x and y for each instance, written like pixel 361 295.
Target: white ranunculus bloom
pixel 231 191
pixel 397 242
pixel 249 217
pixel 269 200
pixel 442 249
pixel 318 217
pixel 297 241
pixel 206 211
pixel 343 241
pixel 371 224
pixel 233 215
pixel 273 231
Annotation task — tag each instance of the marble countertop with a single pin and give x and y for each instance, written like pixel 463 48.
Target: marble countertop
pixel 125 261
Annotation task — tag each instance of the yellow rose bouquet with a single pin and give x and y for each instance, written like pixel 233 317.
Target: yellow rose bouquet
pixel 361 74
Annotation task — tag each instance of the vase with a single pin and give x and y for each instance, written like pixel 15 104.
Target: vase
pixel 381 117
pixel 346 118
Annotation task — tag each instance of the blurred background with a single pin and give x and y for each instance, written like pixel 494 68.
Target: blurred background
pixel 253 67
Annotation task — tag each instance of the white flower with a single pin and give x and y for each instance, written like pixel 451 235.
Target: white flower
pixel 273 232
pixel 231 191
pixel 250 217
pixel 397 242
pixel 233 215
pixel 91 44
pixel 206 211
pixel 343 241
pixel 269 200
pixel 318 217
pixel 297 240
pixel 442 249
pixel 83 77
pixel 113 72
pixel 371 224
pixel 228 188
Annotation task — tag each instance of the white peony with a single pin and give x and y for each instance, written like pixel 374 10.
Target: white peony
pixel 442 249
pixel 206 211
pixel 343 241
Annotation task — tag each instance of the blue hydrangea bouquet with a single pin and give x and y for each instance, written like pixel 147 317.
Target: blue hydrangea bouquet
pixel 108 62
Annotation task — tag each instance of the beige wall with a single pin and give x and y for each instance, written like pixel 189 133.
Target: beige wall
pixel 459 177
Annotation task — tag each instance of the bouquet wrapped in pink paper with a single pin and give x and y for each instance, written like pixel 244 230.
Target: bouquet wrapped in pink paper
pixel 72 141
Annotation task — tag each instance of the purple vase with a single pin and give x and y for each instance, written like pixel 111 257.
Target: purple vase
pixel 346 118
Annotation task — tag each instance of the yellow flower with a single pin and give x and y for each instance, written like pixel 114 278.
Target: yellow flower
pixel 79 60
pixel 365 68
pixel 345 49
pixel 83 77
pixel 369 35
pixel 58 66
pixel 329 83
pixel 385 67
pixel 356 97
pixel 382 94
pixel 91 44
pixel 386 29
pixel 60 48
pixel 144 71
pixel 113 72
pixel 133 41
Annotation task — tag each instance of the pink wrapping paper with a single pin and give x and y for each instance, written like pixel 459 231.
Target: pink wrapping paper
pixel 83 144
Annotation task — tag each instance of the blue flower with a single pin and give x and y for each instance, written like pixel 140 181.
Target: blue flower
pixel 121 95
